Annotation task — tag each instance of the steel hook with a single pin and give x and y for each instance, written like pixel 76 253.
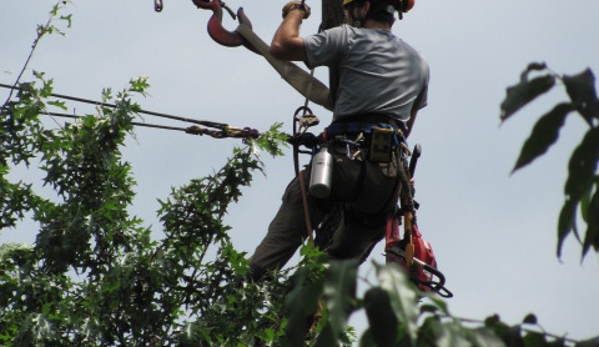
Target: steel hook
pixel 215 27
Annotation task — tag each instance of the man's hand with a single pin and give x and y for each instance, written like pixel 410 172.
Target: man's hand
pixel 296 5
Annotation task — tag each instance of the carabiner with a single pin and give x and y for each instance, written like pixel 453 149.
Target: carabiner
pixel 215 27
pixel 158 5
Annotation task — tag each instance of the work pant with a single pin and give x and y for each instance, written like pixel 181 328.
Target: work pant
pixel 367 190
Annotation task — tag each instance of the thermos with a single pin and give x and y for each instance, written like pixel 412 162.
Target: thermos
pixel 321 174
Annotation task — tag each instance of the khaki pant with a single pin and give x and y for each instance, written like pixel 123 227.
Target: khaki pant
pixel 367 190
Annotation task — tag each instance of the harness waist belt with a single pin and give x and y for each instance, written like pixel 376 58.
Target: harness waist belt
pixel 365 125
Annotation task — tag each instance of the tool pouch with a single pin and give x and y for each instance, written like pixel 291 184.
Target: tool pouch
pixel 382 141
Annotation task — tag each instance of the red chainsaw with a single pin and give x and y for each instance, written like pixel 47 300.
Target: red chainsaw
pixel 411 251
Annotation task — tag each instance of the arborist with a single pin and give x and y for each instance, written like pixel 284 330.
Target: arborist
pixel 382 83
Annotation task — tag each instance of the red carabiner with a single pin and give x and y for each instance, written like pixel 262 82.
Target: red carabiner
pixel 215 27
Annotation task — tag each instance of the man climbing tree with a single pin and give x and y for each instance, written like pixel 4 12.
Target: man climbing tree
pixel 382 83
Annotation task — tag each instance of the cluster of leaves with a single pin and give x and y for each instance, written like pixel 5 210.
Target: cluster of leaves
pixel 96 277
pixel 582 186
pixel 399 315
pixel 54 25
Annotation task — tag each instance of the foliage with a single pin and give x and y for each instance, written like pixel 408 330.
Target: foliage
pixel 95 276
pixel 582 186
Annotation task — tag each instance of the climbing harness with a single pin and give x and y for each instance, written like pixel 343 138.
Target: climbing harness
pixel 409 250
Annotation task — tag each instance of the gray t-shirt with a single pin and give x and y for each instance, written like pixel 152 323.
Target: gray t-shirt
pixel 378 72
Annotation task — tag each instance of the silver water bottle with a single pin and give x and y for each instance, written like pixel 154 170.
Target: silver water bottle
pixel 321 174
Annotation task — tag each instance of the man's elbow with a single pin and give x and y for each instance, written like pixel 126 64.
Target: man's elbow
pixel 277 50
pixel 292 50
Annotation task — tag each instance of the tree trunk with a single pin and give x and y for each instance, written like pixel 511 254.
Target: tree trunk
pixel 332 13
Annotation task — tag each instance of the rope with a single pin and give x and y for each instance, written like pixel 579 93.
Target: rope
pixel 150 113
pixel 193 130
pixel 301 177
pixel 228 132
pixel 148 125
pixel 224 130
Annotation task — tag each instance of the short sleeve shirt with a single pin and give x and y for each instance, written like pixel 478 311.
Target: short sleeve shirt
pixel 378 72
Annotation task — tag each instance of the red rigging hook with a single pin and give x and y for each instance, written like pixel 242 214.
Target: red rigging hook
pixel 215 27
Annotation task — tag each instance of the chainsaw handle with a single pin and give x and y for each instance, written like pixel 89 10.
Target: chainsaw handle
pixel 415 155
pixel 438 286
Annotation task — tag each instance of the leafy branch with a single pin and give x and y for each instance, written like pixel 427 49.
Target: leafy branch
pixel 582 186
pixel 42 30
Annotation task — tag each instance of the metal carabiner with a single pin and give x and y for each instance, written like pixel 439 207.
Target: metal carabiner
pixel 158 5
pixel 215 27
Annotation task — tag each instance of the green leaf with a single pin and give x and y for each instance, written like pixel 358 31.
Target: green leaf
pixel 527 90
pixel 430 332
pixel 381 318
pixel 565 223
pixel 492 321
pixel 483 337
pixel 585 203
pixel 530 319
pixel 402 295
pixel 60 104
pixel 543 135
pixel 367 340
pixel 139 85
pixel 559 342
pixel 534 339
pixel 592 233
pixel 509 335
pixel 512 336
pixel 327 337
pixel 593 342
pixel 301 304
pixel 435 333
pixel 340 293
pixel 581 89
pixel 428 308
pixel 534 66
pixel 581 175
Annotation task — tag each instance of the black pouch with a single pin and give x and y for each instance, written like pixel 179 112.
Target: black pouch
pixel 381 145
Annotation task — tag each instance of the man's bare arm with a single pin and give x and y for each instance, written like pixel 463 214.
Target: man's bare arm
pixel 410 123
pixel 287 44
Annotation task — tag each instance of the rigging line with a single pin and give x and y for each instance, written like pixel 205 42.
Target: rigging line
pixel 148 125
pixel 151 113
pixel 229 132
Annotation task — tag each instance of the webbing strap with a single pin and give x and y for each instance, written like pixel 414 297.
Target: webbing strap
pixel 337 128
pixel 299 79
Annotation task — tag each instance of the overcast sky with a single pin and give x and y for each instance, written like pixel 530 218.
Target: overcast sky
pixel 494 234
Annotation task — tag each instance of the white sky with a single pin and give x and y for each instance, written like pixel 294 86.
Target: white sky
pixel 494 235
